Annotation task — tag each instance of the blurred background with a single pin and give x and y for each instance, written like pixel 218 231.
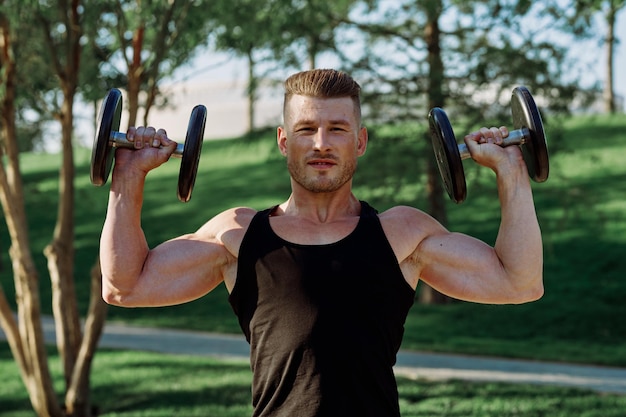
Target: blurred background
pixel 58 59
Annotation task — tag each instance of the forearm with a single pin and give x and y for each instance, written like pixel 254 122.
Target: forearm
pixel 123 246
pixel 519 244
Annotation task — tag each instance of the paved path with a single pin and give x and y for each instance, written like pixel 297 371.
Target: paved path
pixel 411 364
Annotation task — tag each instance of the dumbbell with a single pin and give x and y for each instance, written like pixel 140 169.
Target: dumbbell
pixel 107 138
pixel 528 135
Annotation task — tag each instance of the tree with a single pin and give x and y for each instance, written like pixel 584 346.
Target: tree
pixel 581 21
pixel 26 341
pixel 57 29
pixel 436 98
pixel 277 32
pixel 59 40
pixel 147 41
pixel 246 27
pixel 419 54
pixel 96 72
pixel 311 26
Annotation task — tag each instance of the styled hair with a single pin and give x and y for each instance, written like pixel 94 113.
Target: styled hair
pixel 323 83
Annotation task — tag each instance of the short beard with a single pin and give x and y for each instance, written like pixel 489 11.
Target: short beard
pixel 320 184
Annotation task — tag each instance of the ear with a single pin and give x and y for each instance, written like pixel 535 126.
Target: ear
pixel 362 141
pixel 281 140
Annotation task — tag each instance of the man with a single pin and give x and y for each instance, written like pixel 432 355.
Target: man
pixel 321 283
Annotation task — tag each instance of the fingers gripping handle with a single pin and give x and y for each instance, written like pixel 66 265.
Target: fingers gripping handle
pixel 108 137
pixel 120 140
pixel 516 137
pixel 528 134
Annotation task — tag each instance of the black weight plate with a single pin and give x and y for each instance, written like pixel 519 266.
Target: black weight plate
pixel 102 151
pixel 447 154
pixel 191 153
pixel 535 150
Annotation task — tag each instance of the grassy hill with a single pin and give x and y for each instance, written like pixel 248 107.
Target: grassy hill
pixel 582 211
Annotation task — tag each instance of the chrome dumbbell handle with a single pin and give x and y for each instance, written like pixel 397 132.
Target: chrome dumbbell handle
pixel 120 140
pixel 516 137
pixel 108 137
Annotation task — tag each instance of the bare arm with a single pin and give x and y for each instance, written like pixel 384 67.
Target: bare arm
pixel 466 268
pixel 175 271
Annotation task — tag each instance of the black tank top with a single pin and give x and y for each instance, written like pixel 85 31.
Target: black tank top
pixel 324 322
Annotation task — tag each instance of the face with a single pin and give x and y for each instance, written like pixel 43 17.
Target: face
pixel 322 141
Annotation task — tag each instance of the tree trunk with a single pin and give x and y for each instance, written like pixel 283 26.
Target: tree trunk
pixel 159 47
pixel 312 52
pixel 77 400
pixel 436 204
pixel 135 76
pixel 60 251
pixel 609 97
pixel 151 96
pixel 25 336
pixel 252 90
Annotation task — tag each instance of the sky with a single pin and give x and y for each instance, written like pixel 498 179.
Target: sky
pixel 218 81
pixel 217 66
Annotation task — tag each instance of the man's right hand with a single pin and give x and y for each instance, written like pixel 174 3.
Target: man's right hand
pixel 152 148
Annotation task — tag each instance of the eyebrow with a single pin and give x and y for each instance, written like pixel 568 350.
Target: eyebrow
pixel 334 122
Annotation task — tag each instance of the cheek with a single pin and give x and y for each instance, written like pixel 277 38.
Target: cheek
pixel 295 146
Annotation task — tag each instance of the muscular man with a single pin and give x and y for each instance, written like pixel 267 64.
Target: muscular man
pixel 321 283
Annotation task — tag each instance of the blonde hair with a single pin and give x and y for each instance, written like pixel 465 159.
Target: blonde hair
pixel 323 83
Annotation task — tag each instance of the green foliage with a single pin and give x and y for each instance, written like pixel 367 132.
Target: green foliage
pixel 484 48
pixel 289 30
pixel 151 38
pixel 134 384
pixel 583 218
pixel 581 211
pixel 32 76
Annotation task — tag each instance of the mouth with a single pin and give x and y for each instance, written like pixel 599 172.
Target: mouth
pixel 322 163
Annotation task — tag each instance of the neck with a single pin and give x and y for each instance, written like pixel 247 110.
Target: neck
pixel 321 207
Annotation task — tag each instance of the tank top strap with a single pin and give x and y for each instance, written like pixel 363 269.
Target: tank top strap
pixel 367 211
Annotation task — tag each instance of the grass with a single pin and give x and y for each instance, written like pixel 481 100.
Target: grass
pixel 581 209
pixel 133 384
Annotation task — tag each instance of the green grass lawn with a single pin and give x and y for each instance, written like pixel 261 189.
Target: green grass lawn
pixel 582 211
pixel 134 384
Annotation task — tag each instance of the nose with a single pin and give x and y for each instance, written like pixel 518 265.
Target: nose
pixel 321 140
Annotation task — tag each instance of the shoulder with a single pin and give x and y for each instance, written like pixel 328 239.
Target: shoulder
pixel 228 228
pixel 235 217
pixel 404 217
pixel 406 228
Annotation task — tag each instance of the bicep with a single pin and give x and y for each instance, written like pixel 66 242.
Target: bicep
pixel 177 271
pixel 455 264
pixel 462 267
pixel 190 266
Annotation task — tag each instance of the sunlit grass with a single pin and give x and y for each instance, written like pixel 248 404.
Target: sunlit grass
pixel 133 384
pixel 581 209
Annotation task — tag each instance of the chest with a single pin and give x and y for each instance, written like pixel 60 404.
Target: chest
pixel 304 232
pixel 339 292
pixel 286 284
